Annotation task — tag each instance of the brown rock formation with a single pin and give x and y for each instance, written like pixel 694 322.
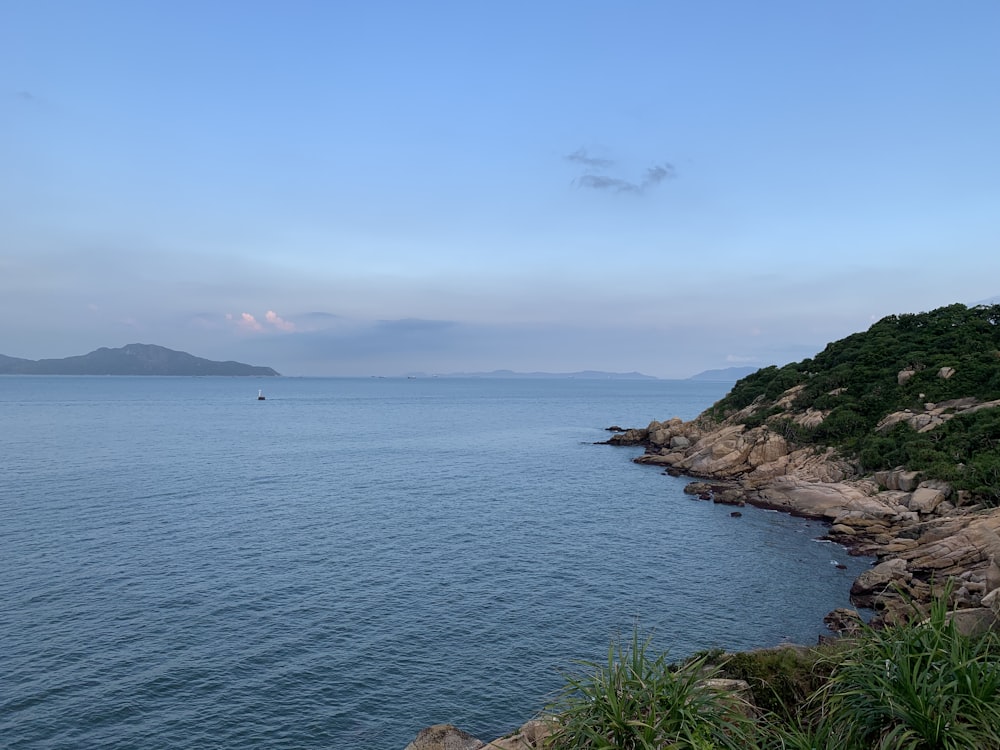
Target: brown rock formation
pixel 530 736
pixel 444 737
pixel 919 531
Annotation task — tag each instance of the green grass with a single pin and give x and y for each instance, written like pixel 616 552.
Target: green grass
pixel 917 686
pixel 781 679
pixel 636 701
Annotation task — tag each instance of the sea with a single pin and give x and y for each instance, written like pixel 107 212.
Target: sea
pixel 349 561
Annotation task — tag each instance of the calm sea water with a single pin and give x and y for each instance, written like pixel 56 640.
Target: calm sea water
pixel 183 566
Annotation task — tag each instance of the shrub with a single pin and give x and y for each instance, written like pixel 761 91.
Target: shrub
pixel 781 679
pixel 639 702
pixel 917 686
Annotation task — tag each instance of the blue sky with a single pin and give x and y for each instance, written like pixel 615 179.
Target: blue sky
pixel 348 188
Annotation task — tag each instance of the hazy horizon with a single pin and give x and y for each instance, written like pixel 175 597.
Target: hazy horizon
pixel 384 188
pixel 499 373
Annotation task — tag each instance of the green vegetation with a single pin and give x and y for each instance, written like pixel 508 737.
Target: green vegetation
pixel 915 686
pixel 132 359
pixel 640 702
pixel 855 383
pixel 919 686
pixel 780 679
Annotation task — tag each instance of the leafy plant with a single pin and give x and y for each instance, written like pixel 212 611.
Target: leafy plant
pixel 920 686
pixel 639 702
pixel 780 679
pixel 917 686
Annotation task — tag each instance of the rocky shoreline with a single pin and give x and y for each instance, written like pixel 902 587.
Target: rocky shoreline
pixel 925 536
pixel 927 539
pixel 448 737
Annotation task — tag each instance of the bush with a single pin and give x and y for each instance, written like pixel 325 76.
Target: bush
pixel 781 679
pixel 639 702
pixel 917 686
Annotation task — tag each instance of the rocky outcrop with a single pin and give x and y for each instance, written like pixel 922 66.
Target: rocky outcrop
pixel 934 415
pixel 730 450
pixel 529 737
pixel 921 532
pixel 448 737
pixel 444 737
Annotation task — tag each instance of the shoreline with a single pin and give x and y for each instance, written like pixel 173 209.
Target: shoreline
pixel 921 533
pixel 925 539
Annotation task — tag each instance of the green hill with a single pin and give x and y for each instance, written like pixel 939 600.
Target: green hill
pixel 890 397
pixel 133 359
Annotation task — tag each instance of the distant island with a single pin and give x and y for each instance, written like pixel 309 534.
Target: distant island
pixel 132 359
pixel 727 374
pixel 581 375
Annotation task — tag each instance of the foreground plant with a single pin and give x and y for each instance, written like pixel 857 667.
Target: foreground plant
pixel 916 686
pixel 639 702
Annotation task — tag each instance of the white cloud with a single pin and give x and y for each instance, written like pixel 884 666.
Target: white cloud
pixel 249 322
pixel 278 322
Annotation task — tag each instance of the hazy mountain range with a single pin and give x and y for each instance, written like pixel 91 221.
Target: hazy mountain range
pixel 133 359
pixel 727 374
pixel 149 359
pixel 510 374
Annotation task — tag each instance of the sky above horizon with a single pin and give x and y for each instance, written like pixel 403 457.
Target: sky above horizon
pixel 378 188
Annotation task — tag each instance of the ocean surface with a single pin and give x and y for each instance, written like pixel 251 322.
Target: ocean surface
pixel 351 560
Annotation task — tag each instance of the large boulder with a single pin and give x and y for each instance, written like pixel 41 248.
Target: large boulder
pixel 444 737
pixel 975 621
pixel 807 464
pixel 898 479
pixel 530 736
pixel 766 447
pixel 728 451
pixel 883 578
pixel 828 500
pixel 925 499
pixel 844 621
pixel 629 437
pixel 662 433
pixel 934 415
pixel 957 545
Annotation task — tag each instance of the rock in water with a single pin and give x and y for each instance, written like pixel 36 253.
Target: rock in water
pixel 444 737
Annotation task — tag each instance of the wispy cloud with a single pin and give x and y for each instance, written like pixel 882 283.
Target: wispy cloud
pixel 597 177
pixel 580 156
pixel 657 174
pixel 278 322
pixel 603 182
pixel 248 322
pixel 245 321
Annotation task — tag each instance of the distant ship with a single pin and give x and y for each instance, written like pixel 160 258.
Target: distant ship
pixel 260 394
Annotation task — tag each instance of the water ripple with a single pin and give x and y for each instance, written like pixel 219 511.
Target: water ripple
pixel 354 560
